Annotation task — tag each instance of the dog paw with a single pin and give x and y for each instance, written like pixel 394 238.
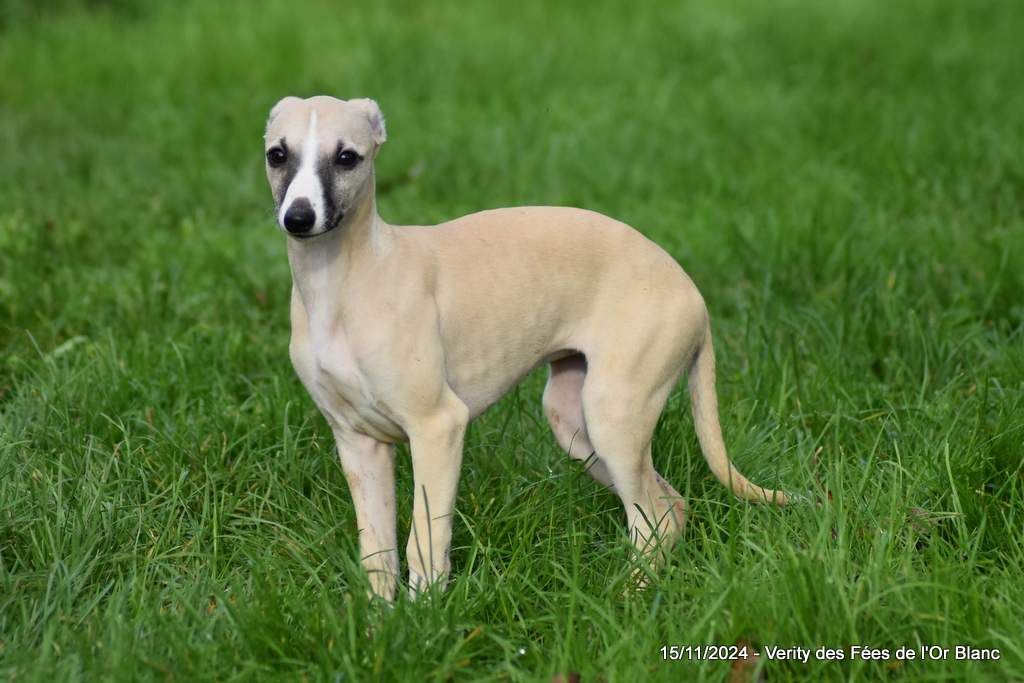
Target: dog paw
pixel 419 584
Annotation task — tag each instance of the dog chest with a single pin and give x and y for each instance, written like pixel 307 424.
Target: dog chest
pixel 338 387
pixel 337 373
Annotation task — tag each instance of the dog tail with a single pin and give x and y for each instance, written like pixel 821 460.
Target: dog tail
pixel 704 401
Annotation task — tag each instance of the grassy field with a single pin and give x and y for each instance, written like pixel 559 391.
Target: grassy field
pixel 844 181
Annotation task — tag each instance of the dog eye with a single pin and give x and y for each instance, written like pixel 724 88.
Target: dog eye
pixel 276 156
pixel 346 158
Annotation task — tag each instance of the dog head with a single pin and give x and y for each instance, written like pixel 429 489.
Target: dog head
pixel 319 153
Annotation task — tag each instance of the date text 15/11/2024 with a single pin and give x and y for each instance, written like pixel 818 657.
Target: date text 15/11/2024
pixel 829 654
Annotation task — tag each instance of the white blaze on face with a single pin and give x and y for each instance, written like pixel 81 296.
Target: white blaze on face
pixel 306 182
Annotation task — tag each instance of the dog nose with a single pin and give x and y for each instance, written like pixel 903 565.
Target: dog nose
pixel 299 217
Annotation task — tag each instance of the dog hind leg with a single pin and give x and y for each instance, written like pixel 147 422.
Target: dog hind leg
pixel 620 419
pixel 563 406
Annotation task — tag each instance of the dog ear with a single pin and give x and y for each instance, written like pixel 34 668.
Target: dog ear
pixel 373 114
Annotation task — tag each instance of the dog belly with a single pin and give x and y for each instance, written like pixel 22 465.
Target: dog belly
pixel 481 394
pixel 483 364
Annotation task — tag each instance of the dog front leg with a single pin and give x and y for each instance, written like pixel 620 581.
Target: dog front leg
pixel 369 467
pixel 436 445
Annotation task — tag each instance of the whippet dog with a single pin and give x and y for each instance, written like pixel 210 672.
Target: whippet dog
pixel 406 333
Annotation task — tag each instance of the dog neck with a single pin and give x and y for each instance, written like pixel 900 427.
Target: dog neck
pixel 319 264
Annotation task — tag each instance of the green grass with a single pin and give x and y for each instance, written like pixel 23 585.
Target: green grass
pixel 843 180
